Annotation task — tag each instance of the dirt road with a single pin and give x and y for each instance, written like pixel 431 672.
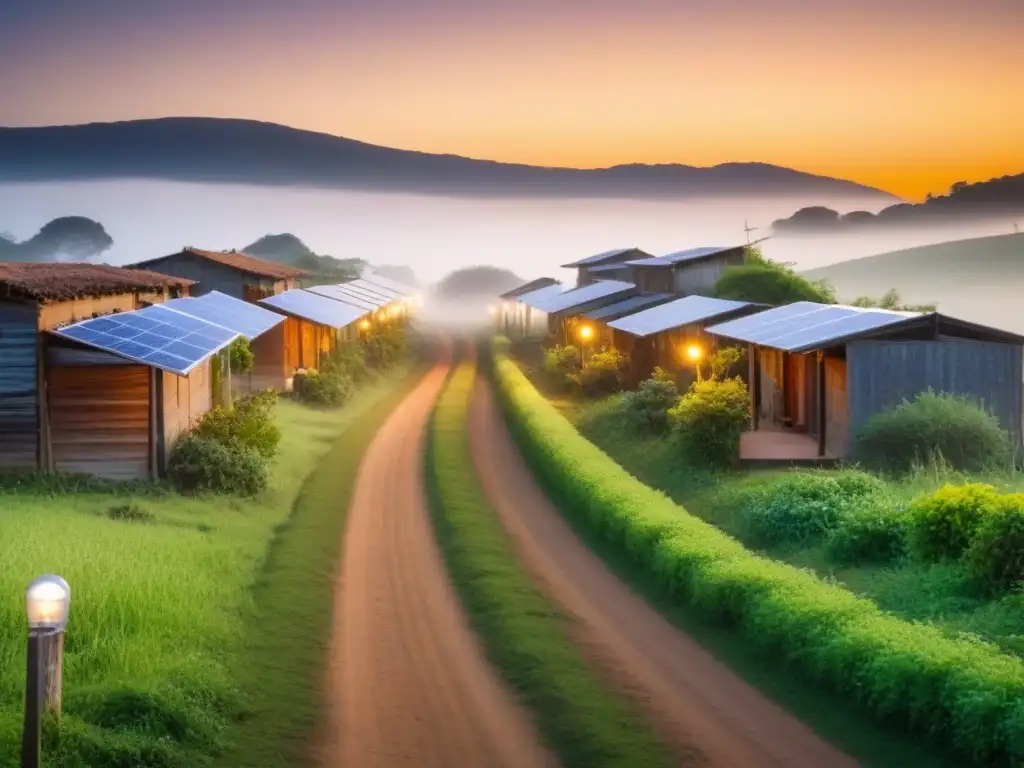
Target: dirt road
pixel 408 683
pixel 693 701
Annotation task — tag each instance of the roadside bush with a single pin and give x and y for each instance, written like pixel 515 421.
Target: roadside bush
pixel 709 419
pixel 799 509
pixel 241 356
pixel 647 408
pixel 996 553
pixel 384 346
pixel 962 693
pixel 943 523
pixel 874 531
pixel 602 372
pixel 324 389
pixel 561 364
pixel 249 424
pixel 934 426
pixel 347 359
pixel 200 464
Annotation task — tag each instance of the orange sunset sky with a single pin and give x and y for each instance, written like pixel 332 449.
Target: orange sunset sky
pixel 907 96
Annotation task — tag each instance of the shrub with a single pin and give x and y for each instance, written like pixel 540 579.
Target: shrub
pixel 874 531
pixel 709 419
pixel 858 484
pixel 647 408
pixel 769 283
pixel 347 359
pixel 666 377
pixel 384 346
pixel 241 356
pixel 942 523
pixel 202 464
pixel 963 693
pixel 799 509
pixel 996 553
pixel 249 424
pixel 325 389
pixel 561 363
pixel 934 426
pixel 602 372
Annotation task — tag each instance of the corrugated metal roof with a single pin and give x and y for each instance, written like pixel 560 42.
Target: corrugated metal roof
pixel 680 257
pixel 372 277
pixel 627 306
pixel 806 326
pixel 674 314
pixel 607 268
pixel 602 289
pixel 535 298
pixel 598 257
pixel 313 307
pixel 530 287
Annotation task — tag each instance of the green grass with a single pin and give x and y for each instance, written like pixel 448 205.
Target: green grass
pixel 525 636
pixel 160 606
pixel 910 678
pixel 942 594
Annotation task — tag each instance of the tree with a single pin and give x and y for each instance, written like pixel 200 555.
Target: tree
pixel 891 300
pixel 765 281
pixel 477 282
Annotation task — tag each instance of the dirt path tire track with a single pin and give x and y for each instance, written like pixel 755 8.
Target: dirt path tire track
pixel 407 682
pixel 695 702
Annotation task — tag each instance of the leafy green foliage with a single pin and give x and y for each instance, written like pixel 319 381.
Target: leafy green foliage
pixel 241 356
pixel 875 531
pixel 329 390
pixel 384 346
pixel 709 419
pixel 249 424
pixel 348 360
pixel 934 426
pixel 201 464
pixel 763 280
pixel 943 523
pixel 561 364
pixel 647 408
pixel 602 372
pixel 961 693
pixel 891 300
pixel 996 553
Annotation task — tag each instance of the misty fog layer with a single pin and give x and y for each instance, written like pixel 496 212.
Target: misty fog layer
pixel 435 235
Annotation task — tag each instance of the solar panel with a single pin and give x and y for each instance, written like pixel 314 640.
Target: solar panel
pixel 378 298
pixel 598 257
pixel 154 336
pixel 313 307
pixel 740 327
pixel 578 296
pixel 228 312
pixel 674 314
pixel 336 293
pixel 378 290
pixel 533 298
pixel 626 307
pixel 387 282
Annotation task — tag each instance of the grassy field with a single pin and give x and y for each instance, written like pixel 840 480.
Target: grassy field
pixel 163 600
pixel 525 636
pixel 941 594
pixel 978 279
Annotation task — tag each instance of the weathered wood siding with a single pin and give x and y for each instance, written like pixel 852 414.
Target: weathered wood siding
pixel 700 278
pixel 837 413
pixel 269 369
pixel 58 313
pixel 880 375
pixel 213 276
pixel 19 390
pixel 772 408
pixel 100 419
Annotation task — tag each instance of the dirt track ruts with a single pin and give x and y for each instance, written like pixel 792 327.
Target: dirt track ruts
pixel 694 701
pixel 408 683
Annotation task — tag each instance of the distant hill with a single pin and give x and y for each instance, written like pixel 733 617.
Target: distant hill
pixel 477 283
pixel 981 279
pixel 1002 196
pixel 402 274
pixel 72 238
pixel 249 152
pixel 288 249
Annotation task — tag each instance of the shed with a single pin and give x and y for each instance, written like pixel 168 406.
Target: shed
pixel 563 308
pixel 525 318
pixel 662 335
pixel 820 372
pixel 74 410
pixel 686 272
pixel 605 265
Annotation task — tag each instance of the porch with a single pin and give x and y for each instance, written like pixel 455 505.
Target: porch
pixel 772 445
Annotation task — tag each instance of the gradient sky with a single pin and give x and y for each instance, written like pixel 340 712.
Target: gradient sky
pixel 907 95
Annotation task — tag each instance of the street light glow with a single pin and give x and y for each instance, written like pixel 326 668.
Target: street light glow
pixel 364 324
pixel 694 352
pixel 46 602
pixel 586 332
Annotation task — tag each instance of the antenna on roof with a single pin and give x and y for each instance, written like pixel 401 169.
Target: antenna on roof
pixel 748 229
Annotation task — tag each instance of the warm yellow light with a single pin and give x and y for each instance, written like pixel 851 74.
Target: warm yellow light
pixel 586 332
pixel 364 324
pixel 694 352
pixel 493 310
pixel 46 602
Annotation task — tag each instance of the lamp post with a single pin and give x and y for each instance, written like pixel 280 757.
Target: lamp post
pixel 586 333
pixel 694 353
pixel 46 604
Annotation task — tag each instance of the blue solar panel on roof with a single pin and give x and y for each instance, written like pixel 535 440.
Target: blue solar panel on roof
pixel 674 314
pixel 743 325
pixel 155 336
pixel 387 282
pixel 627 306
pixel 599 257
pixel 379 300
pixel 334 292
pixel 228 312
pixel 316 308
pixel 535 298
pixel 588 293
pixel 379 290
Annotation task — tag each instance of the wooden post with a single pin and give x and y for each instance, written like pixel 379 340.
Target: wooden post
pixel 53 673
pixel 754 360
pixel 821 404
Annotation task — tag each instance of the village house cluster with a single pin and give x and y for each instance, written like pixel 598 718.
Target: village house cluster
pixel 103 368
pixel 815 372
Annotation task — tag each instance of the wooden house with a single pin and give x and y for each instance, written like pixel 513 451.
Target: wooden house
pixel 820 372
pixel 563 309
pixel 511 314
pixel 65 406
pixel 693 271
pixel 251 279
pixel 671 334
pixel 609 265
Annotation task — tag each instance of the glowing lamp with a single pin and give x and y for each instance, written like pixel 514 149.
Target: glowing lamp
pixel 586 332
pixel 46 602
pixel 694 352
pixel 364 324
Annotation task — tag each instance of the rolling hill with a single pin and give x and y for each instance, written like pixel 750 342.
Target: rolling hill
pixel 980 279
pixel 250 152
